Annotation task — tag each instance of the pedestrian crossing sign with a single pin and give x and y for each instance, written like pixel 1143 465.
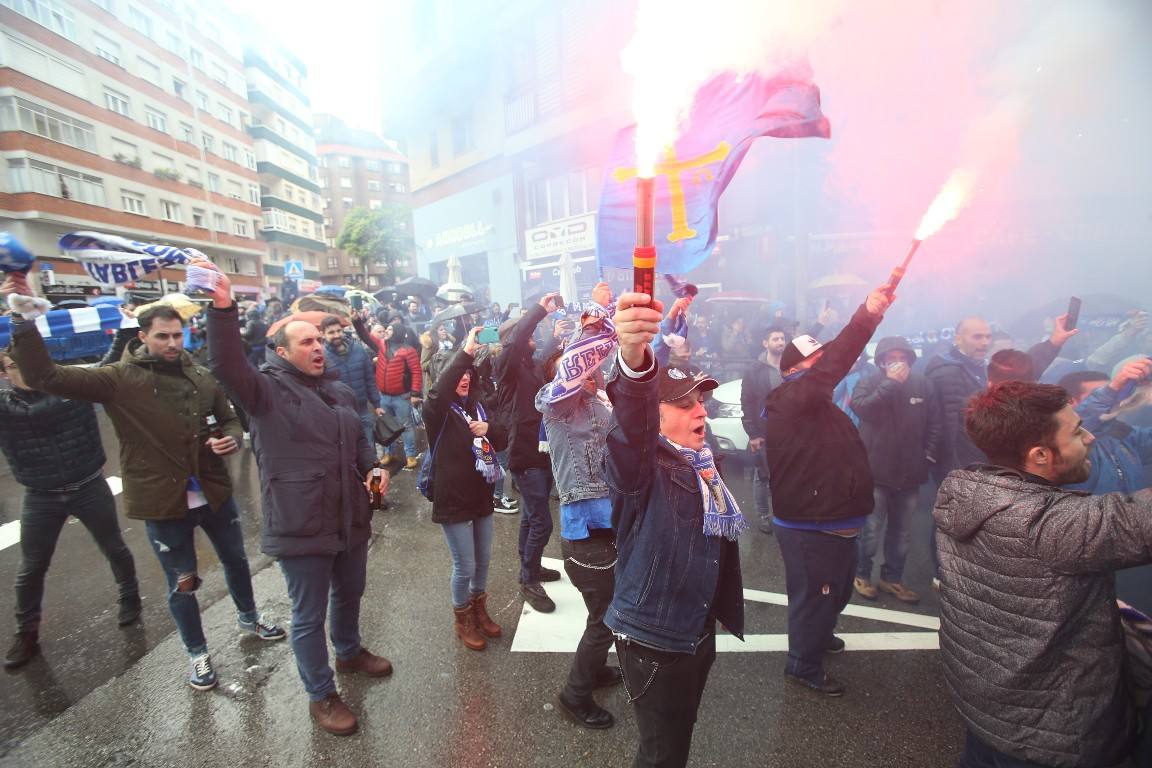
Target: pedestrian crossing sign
pixel 293 270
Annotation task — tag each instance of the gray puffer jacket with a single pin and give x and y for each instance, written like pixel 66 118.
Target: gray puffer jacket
pixel 1030 634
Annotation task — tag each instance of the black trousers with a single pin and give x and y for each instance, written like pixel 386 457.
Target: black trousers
pixel 589 565
pixel 665 689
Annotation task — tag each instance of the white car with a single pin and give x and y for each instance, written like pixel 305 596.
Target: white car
pixel 724 414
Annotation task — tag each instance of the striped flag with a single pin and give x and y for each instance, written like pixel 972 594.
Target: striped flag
pixel 68 322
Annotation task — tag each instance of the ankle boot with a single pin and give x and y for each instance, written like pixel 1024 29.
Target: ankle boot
pixel 466 629
pixel 480 615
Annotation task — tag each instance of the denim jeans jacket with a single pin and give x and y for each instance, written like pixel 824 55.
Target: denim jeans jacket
pixel 576 427
pixel 670 577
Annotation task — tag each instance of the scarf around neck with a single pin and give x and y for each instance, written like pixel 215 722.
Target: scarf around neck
pixel 722 516
pixel 486 463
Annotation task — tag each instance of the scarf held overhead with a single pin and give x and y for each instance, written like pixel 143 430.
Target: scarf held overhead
pixel 593 345
pixel 114 260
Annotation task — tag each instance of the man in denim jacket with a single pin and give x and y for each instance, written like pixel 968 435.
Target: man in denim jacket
pixel 678 568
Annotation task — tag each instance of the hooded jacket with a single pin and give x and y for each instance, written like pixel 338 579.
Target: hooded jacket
pixel 899 422
pixel 1030 634
pixel 308 442
pixel 159 410
pixel 462 493
pixel 397 365
pixel 518 379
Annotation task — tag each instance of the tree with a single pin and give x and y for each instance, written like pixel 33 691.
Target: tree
pixel 375 238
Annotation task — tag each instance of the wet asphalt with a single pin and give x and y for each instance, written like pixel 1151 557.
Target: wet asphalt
pixel 104 696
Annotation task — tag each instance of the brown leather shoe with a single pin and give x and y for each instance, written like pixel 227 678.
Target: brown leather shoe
pixel 366 663
pixel 466 629
pixel 898 591
pixel 864 588
pixel 480 615
pixel 333 715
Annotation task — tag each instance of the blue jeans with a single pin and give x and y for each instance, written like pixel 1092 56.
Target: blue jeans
pixel 41 521
pixel 400 406
pixel 896 505
pixel 470 544
pixel 762 497
pixel 535 486
pixel 368 421
pixel 977 754
pixel 498 489
pixel 814 562
pixel 174 542
pixel 319 585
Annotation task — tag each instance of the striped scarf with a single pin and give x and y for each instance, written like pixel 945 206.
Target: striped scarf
pixel 722 516
pixel 486 463
pixel 593 345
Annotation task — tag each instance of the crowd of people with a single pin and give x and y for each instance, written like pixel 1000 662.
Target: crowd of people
pixel 1039 460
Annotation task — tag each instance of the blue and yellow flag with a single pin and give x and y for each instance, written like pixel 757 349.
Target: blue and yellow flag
pixel 729 112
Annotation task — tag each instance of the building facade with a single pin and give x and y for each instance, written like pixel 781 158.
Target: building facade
pixel 281 130
pixel 507 125
pixel 360 169
pixel 129 119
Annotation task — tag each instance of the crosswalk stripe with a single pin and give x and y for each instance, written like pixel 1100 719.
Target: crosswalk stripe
pixel 560 631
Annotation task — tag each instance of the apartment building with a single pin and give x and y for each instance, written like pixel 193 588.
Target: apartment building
pixel 360 169
pixel 128 117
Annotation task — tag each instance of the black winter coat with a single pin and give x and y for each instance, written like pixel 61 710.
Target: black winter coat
pixel 49 441
pixel 900 427
pixel 755 387
pixel 955 381
pixel 819 467
pixel 518 379
pixel 460 491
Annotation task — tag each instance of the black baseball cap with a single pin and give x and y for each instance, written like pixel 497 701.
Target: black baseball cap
pixel 676 382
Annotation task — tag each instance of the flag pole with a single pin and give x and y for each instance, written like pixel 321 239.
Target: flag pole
pixel 644 253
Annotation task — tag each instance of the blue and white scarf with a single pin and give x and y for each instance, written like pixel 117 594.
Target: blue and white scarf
pixel 486 463
pixel 115 260
pixel 722 516
pixel 592 345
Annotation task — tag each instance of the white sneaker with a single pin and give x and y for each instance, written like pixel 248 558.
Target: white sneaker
pixel 505 506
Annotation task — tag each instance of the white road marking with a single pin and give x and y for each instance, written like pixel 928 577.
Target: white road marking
pixel 560 631
pixel 10 532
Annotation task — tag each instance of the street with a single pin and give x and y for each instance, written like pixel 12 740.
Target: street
pixel 104 696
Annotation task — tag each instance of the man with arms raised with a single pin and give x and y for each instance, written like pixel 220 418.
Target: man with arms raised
pixel 314 460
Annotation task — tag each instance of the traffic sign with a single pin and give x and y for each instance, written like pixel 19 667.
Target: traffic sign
pixel 294 270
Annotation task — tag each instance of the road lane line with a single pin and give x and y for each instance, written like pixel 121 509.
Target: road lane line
pixel 560 631
pixel 116 484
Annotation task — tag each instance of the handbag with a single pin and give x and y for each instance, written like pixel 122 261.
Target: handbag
pixel 387 429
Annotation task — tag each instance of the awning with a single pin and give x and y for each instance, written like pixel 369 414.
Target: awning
pixel 250 289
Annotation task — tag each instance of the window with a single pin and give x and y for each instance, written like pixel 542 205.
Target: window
pixel 396 169
pixel 345 183
pixel 249 159
pixel 462 138
pixel 49 13
pixel 254 194
pixel 117 102
pixel 232 264
pixel 156 120
pixel 179 87
pixel 372 165
pixel 375 205
pixel 235 190
pixel 348 203
pixel 133 203
pixel 373 185
pixel 199 218
pixel 433 151
pixel 27 175
pixel 208 141
pixel 224 113
pixel 148 70
pixel 173 43
pixel 140 21
pixel 170 211
pixel 197 59
pixel 311 259
pixel 230 152
pixel 220 222
pixel 105 4
pixel 213 182
pixel 333 262
pixel 187 133
pixel 202 101
pixel 192 174
pixel 107 49
pixel 344 162
pixel 240 227
pixel 396 186
pixel 48 123
pixel 219 74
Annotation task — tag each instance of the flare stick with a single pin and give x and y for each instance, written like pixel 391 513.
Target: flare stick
pixel 898 272
pixel 644 254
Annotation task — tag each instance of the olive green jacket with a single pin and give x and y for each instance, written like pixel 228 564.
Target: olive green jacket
pixel 159 410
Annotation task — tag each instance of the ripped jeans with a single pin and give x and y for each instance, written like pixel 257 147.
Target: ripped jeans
pixel 174 542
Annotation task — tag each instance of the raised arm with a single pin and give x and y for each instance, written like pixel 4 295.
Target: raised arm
pixel 1096 534
pixel 41 372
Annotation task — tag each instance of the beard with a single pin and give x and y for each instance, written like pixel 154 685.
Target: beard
pixel 1070 474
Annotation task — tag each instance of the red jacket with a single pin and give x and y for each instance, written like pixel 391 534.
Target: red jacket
pixel 399 374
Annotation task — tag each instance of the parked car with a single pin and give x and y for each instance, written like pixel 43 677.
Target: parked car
pixel 724 414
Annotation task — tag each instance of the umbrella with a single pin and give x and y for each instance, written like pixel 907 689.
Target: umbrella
pixel 97 301
pixel 453 311
pixel 335 290
pixel 364 296
pixel 568 290
pixel 834 281
pixel 412 286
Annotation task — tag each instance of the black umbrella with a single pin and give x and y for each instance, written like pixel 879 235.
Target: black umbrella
pixel 411 286
pixel 453 311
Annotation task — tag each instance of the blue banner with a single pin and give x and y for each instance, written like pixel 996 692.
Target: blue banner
pixel 729 112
